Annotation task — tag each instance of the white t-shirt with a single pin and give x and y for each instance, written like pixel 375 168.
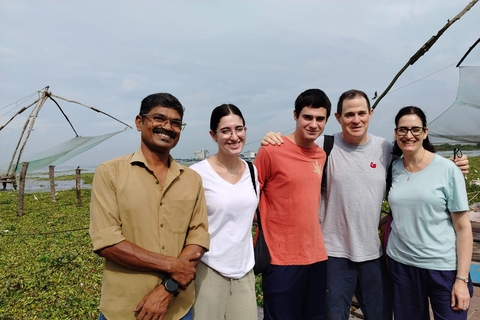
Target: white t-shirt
pixel 231 208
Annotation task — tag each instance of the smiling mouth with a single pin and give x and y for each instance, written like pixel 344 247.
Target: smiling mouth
pixel 164 133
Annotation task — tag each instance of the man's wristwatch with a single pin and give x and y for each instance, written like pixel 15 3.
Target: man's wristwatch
pixel 464 279
pixel 171 286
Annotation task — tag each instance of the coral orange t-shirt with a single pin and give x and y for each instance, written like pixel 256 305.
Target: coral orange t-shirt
pixel 290 181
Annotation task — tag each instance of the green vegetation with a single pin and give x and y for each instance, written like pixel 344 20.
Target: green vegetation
pixel 46 273
pixel 43 274
pixel 87 178
pixel 464 147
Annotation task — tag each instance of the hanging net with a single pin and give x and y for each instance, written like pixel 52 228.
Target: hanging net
pixel 460 124
pixel 63 152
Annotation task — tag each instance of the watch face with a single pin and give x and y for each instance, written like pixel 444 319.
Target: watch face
pixel 171 285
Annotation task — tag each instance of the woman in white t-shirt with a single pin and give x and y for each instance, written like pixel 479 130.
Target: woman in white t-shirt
pixel 225 283
pixel 430 245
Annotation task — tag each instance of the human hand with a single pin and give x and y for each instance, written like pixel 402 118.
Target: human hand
pixel 462 163
pixel 460 296
pixel 154 305
pixel 272 138
pixel 184 269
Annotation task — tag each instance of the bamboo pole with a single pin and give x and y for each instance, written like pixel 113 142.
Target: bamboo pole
pixel 424 49
pixel 467 53
pixel 77 185
pixel 96 110
pixel 51 175
pixel 21 189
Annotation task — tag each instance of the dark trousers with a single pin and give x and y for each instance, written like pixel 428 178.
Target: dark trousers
pixel 294 292
pixel 368 280
pixel 413 287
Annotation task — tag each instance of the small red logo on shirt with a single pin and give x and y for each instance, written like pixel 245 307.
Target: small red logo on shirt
pixel 373 165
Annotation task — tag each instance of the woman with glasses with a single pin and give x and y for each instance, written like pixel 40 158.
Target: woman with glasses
pixel 225 284
pixel 430 245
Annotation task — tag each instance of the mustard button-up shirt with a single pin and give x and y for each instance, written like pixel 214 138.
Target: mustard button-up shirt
pixel 128 203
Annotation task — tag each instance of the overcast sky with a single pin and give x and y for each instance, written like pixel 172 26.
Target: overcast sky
pixel 258 55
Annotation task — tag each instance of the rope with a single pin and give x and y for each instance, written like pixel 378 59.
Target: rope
pixel 17 102
pixel 41 233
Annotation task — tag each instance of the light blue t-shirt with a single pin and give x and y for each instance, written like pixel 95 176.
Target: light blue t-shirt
pixel 422 231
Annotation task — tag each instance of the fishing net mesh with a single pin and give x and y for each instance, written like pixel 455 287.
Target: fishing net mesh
pixel 63 152
pixel 461 122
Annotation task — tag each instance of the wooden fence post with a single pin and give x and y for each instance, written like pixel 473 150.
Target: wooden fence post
pixel 51 175
pixel 77 184
pixel 21 189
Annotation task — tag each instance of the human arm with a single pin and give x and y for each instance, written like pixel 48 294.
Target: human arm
pixel 461 162
pixel 460 296
pixel 131 256
pixel 156 303
pixel 272 138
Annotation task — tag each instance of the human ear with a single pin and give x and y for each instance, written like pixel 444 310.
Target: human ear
pixel 213 135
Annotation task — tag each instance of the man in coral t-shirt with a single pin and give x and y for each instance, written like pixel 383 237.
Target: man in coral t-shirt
pixel 290 178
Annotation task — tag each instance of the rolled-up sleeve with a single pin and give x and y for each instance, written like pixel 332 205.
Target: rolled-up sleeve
pixel 198 227
pixel 105 223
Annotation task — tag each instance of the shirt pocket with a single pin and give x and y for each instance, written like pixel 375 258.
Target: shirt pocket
pixel 181 214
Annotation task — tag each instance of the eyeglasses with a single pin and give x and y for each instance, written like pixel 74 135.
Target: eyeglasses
pixel 160 120
pixel 227 132
pixel 416 131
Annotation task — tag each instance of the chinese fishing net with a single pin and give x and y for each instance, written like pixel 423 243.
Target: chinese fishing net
pixel 63 152
pixel 460 124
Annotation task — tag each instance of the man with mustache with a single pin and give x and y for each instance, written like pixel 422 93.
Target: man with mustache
pixel 149 221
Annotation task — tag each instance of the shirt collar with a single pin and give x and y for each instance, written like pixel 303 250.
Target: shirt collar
pixel 138 158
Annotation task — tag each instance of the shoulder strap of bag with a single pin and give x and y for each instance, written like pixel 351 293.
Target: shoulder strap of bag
pixel 328 141
pixel 389 179
pixel 252 175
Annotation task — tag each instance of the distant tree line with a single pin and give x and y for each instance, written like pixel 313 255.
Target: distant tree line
pixel 448 147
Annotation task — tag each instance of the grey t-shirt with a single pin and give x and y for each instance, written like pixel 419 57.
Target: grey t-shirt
pixel 350 214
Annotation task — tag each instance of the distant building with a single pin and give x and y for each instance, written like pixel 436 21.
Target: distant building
pixel 201 154
pixel 248 155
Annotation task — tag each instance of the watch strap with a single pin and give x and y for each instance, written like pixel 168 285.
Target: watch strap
pixel 464 279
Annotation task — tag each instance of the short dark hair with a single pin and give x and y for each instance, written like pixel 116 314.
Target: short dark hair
pixel 351 94
pixel 419 113
pixel 165 100
pixel 314 98
pixel 222 111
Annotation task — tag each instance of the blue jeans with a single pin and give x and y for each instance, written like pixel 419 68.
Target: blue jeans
pixel 188 316
pixel 367 280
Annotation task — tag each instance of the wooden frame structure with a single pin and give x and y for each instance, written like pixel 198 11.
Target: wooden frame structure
pixel 44 94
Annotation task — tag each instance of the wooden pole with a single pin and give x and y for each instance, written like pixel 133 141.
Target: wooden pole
pixel 424 49
pixel 21 189
pixel 77 184
pixel 51 175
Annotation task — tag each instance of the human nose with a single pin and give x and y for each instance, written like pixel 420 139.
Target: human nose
pixel 233 133
pixel 168 121
pixel 409 133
